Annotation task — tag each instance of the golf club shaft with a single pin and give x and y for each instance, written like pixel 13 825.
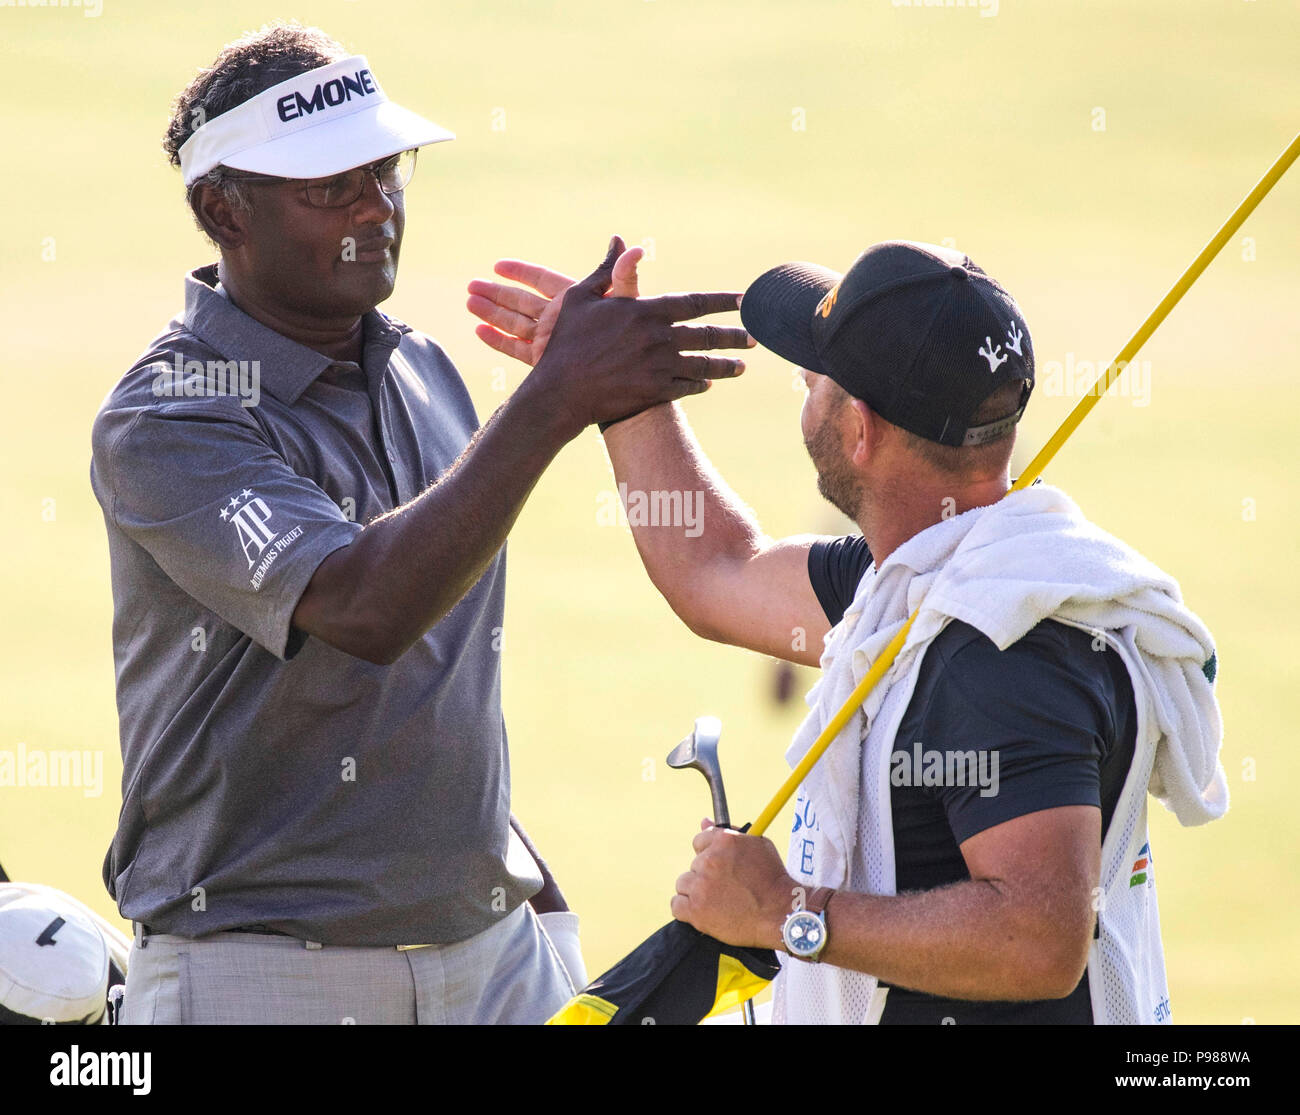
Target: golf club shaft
pixel 1035 468
pixel 721 815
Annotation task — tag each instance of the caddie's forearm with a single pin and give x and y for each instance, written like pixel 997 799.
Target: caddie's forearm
pixel 965 941
pixel 658 464
pixel 406 570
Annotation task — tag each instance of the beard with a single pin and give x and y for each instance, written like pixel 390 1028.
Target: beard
pixel 835 478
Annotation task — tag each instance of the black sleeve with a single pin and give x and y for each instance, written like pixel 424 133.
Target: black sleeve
pixel 1034 718
pixel 836 567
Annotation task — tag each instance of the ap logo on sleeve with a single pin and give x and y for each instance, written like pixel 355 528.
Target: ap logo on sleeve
pixel 261 543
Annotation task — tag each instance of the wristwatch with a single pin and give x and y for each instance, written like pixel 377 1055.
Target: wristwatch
pixel 804 932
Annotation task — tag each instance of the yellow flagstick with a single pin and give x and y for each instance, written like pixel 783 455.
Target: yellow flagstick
pixel 1035 468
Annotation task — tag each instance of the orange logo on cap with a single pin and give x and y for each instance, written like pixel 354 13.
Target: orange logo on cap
pixel 827 304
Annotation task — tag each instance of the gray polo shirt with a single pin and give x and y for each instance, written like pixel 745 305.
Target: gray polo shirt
pixel 269 778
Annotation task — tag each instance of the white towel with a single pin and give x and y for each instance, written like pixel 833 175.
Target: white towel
pixel 1003 569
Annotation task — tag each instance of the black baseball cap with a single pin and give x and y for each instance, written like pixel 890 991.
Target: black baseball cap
pixel 916 331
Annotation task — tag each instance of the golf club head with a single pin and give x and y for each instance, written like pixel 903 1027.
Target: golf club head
pixel 699 751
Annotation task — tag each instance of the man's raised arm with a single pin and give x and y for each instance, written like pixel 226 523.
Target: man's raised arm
pixel 406 570
pixel 723 577
pixel 720 574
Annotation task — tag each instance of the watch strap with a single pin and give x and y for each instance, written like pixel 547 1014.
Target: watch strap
pixel 817 901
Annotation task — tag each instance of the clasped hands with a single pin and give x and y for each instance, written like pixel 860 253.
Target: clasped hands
pixel 599 352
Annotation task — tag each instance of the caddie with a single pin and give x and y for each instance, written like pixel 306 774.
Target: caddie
pixel 973 847
pixel 306 528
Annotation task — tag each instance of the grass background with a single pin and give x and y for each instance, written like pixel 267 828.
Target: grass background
pixel 675 124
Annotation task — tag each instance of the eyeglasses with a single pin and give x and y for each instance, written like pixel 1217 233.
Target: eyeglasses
pixel 335 191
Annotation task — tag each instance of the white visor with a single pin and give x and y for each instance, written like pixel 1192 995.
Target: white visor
pixel 321 122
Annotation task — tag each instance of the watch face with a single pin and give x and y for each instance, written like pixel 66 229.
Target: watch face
pixel 804 934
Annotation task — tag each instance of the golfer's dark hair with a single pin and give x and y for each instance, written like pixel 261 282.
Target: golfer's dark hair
pixel 977 460
pixel 248 66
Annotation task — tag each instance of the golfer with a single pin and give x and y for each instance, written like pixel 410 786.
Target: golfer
pixel 306 528
pixel 973 848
